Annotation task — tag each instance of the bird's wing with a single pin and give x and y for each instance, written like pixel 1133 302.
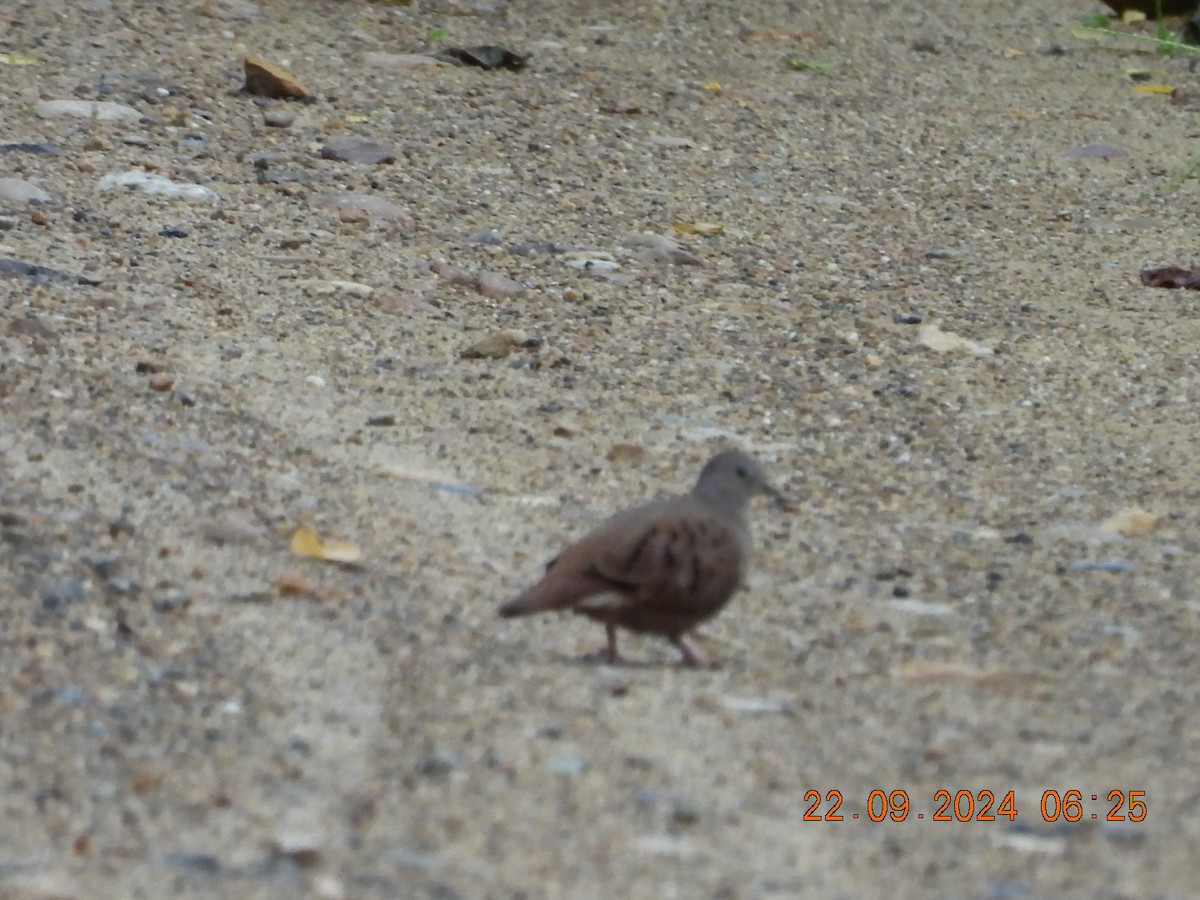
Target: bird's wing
pixel 680 556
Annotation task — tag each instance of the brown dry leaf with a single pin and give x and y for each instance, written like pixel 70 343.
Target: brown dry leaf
pixel 1172 277
pixel 292 584
pixel 1132 522
pixel 621 109
pixel 307 543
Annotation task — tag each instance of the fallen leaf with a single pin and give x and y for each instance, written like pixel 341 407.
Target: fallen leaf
pixel 307 543
pixel 17 59
pixel 621 109
pixel 708 228
pixel 485 57
pixel 292 584
pixel 1163 89
pixel 341 552
pixel 1172 277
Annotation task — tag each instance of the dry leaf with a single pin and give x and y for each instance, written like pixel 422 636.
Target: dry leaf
pixel 292 584
pixel 307 543
pixel 1172 277
pixel 710 228
pixel 1164 89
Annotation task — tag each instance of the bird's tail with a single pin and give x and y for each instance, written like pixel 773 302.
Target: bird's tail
pixel 552 592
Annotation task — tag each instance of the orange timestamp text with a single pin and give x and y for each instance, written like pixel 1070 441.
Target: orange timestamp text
pixel 979 806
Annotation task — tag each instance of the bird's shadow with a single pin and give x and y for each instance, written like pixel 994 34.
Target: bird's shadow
pixel 597 659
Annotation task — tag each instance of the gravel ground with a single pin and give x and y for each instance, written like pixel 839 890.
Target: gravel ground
pixel 923 314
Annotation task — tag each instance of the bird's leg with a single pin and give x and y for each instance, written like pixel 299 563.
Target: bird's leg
pixel 692 657
pixel 609 653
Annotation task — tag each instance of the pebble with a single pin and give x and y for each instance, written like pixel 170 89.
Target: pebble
pixel 105 565
pixel 370 205
pixel 1115 566
pixel 62 592
pixel 202 862
pixel 453 274
pixel 439 762
pixel 497 286
pixel 940 341
pixel 46 148
pixel 18 268
pixel 622 453
pixel 322 288
pixel 593 264
pixel 495 346
pixel 18 190
pixel 1096 151
pixel 97 110
pixel 302 847
pixel 567 766
pixel 161 382
pixel 672 143
pixel 758 705
pixel 660 248
pixel 279 118
pixel 486 56
pixel 157 185
pixel 266 79
pixel 358 150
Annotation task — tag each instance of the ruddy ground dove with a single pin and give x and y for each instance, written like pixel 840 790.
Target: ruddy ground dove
pixel 661 568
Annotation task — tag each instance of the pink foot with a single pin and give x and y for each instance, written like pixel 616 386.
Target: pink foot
pixel 693 658
pixel 609 653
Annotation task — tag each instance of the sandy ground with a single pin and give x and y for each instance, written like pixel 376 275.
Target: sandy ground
pixel 988 582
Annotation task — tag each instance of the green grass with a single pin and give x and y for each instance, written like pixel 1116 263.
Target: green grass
pixel 1098 26
pixel 1163 39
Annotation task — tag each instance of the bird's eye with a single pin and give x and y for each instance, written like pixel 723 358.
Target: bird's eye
pixel 742 473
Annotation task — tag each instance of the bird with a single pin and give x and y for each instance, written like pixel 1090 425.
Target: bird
pixel 662 568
